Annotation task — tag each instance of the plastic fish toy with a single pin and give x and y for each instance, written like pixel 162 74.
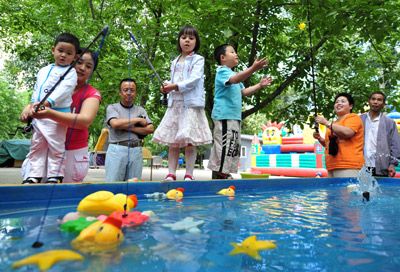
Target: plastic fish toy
pixel 175 194
pixel 77 225
pixel 187 224
pixel 129 219
pixel 45 260
pixel 104 202
pixel 251 247
pixel 100 236
pixel 230 191
pixel 156 196
pixel 70 216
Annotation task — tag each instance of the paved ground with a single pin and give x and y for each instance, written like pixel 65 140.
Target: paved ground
pixel 13 175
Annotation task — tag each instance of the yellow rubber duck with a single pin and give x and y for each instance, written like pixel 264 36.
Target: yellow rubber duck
pixel 45 260
pixel 100 236
pixel 230 191
pixel 105 202
pixel 175 194
pixel 251 246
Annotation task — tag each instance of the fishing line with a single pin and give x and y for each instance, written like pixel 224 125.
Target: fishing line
pixel 312 65
pixel 77 110
pixel 103 32
pixel 125 214
pixel 164 100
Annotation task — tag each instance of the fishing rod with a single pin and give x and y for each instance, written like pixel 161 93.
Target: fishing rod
pixel 103 32
pixel 312 66
pixel 164 100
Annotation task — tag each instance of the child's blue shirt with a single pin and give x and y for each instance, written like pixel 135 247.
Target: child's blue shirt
pixel 227 96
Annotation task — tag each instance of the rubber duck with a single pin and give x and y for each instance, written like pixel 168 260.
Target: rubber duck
pixel 105 202
pixel 230 191
pixel 175 194
pixel 100 236
pixel 251 246
pixel 45 260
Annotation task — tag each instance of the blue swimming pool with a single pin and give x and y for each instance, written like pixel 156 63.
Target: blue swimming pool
pixel 317 225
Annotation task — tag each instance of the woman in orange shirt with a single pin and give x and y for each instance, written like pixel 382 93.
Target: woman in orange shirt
pixel 346 158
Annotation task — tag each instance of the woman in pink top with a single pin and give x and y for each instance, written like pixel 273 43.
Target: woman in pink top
pixel 84 107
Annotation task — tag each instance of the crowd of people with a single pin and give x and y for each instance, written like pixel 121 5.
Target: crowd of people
pixel 59 146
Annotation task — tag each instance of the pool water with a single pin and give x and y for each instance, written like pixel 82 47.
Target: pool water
pixel 322 229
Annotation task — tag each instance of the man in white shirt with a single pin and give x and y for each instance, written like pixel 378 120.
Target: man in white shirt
pixel 381 139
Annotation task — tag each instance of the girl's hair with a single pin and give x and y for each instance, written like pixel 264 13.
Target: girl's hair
pixel 349 98
pixel 94 56
pixel 189 30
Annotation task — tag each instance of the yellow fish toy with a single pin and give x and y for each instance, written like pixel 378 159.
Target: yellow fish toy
pixel 230 191
pixel 105 202
pixel 175 194
pixel 100 236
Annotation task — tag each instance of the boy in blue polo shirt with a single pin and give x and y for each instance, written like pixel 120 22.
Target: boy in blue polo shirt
pixel 227 110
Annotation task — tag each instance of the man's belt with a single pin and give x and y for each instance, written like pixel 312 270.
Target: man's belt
pixel 130 143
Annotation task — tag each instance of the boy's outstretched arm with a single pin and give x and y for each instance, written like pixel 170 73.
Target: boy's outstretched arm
pixel 243 75
pixel 264 82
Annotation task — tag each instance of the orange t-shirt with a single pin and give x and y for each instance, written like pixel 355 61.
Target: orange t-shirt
pixel 351 153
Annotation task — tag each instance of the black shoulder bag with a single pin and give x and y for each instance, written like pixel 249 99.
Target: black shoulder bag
pixel 333 148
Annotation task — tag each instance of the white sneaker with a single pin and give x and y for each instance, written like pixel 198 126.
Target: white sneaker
pixel 188 177
pixel 170 177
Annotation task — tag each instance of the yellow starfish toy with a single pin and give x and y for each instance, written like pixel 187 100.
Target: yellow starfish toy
pixel 251 246
pixel 47 259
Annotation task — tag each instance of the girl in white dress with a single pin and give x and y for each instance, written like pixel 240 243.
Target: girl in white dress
pixel 184 124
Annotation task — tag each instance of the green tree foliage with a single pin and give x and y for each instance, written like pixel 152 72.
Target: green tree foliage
pixel 11 103
pixel 355 45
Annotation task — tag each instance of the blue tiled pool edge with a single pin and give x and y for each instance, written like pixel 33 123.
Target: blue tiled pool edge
pixel 23 196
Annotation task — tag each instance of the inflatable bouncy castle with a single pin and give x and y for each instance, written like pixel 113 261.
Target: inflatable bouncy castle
pixel 396 118
pixel 298 155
